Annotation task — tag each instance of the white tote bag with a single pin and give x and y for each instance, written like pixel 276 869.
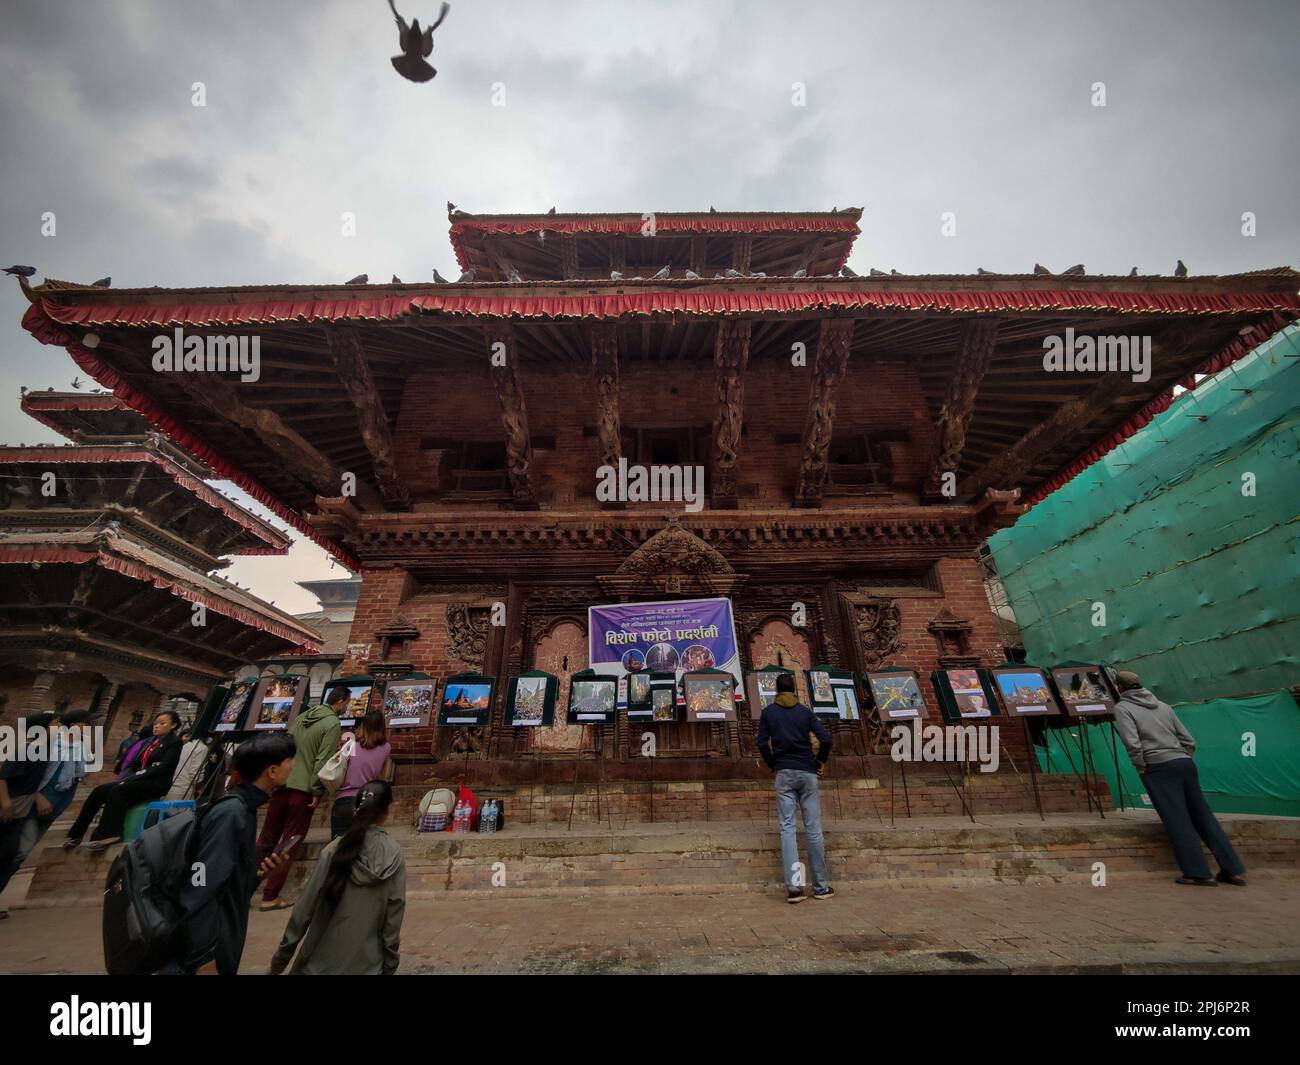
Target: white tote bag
pixel 333 771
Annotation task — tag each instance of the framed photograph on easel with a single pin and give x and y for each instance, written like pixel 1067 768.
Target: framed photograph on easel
pixel 409 700
pixel 761 688
pixel 1024 691
pixel 530 700
pixel 964 695
pixel 896 695
pixel 593 698
pixel 467 700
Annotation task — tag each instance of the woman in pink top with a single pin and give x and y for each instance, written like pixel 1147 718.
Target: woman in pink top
pixel 368 761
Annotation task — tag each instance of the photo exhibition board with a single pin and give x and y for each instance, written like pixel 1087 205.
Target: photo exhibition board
pixel 409 701
pixel 530 700
pixel 709 696
pixel 677 636
pixel 1084 690
pixel 1024 691
pixel 663 698
pixel 236 705
pixel 896 695
pixel 761 688
pixel 466 700
pixel 964 695
pixel 593 698
pixel 832 692
pixel 358 689
pixel 276 702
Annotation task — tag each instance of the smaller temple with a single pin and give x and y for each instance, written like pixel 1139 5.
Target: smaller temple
pixel 338 607
pixel 108 548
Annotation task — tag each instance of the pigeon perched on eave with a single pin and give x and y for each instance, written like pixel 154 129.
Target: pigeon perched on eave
pixel 801 272
pixel 438 279
pixel 360 279
pixel 1180 270
pixel 1039 268
pixel 691 275
pixel 103 282
pixel 451 207
pixel 1133 272
pixel 396 280
pixel 661 274
pixel 1076 270
pixel 416 45
pixel 551 211
pixel 20 271
pixel 847 272
pixel 731 272
pixel 467 276
pixel 980 270
pixel 878 273
pixel 514 278
pixel 614 275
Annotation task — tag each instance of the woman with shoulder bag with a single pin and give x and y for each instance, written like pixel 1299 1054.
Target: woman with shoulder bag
pixel 368 761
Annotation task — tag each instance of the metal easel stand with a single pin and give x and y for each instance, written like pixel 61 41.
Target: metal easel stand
pixel 1033 768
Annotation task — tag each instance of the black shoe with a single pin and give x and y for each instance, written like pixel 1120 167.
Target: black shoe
pixel 793 896
pixel 1196 881
pixel 71 844
pixel 829 893
pixel 1230 878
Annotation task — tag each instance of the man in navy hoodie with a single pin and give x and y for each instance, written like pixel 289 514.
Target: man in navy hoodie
pixel 783 741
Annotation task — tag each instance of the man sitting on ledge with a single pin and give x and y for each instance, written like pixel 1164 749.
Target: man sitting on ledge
pixel 1161 750
pixel 783 741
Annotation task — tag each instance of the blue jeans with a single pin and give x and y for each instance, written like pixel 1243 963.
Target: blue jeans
pixel 796 787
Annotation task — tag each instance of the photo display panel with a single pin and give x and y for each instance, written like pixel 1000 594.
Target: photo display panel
pixel 833 692
pixel 896 695
pixel 276 702
pixel 1024 691
pixel 964 694
pixel 235 707
pixel 710 696
pixel 530 700
pixel 467 700
pixel 408 701
pixel 593 698
pixel 761 687
pixel 1084 690
pixel 358 689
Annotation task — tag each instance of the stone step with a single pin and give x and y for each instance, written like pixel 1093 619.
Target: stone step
pixel 691 857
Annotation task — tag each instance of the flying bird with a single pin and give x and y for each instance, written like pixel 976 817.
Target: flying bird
pixel 360 279
pixel 416 45
pixel 1180 270
pixel 661 274
pixel 76 382
pixel 103 282
pixel 846 272
pixel 438 279
pixel 20 271
pixel 468 275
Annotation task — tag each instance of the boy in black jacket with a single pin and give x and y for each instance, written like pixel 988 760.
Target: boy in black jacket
pixel 215 901
pixel 783 741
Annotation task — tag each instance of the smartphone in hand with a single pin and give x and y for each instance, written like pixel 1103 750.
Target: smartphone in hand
pixel 286 845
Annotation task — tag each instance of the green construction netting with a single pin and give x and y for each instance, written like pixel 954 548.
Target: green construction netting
pixel 1237 776
pixel 1200 582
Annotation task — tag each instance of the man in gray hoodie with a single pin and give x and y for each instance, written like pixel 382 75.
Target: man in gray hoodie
pixel 1161 750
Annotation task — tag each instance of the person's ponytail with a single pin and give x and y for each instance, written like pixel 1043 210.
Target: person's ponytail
pixel 373 801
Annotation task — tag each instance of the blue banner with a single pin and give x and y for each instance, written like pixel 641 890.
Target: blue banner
pixel 673 637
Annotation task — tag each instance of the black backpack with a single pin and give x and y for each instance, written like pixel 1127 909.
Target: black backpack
pixel 142 895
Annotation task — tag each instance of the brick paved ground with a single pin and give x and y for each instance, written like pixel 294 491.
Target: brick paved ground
pixel 1143 923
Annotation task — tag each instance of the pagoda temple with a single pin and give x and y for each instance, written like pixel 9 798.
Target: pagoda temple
pixel 860 437
pixel 108 548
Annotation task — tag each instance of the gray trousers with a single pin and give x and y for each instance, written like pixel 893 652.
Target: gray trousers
pixel 1175 791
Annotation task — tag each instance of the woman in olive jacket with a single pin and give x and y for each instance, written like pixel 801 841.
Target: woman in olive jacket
pixel 349 918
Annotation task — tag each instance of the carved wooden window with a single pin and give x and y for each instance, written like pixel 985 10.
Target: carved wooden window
pixel 471 469
pixel 668 447
pixel 860 462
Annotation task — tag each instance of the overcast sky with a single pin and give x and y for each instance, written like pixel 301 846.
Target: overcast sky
pixel 912 109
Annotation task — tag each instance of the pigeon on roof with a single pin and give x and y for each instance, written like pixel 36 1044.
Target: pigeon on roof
pixel 1074 271
pixel 360 279
pixel 20 271
pixel 103 282
pixel 515 279
pixel 691 275
pixel 1039 268
pixel 801 272
pixel 847 272
pixel 1180 270
pixel 878 273
pixel 1133 272
pixel 438 279
pixel 551 211
pixel 663 273
pixel 467 276
pixel 396 280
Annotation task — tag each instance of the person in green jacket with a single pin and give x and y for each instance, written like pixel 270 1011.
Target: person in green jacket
pixel 316 731
pixel 349 918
